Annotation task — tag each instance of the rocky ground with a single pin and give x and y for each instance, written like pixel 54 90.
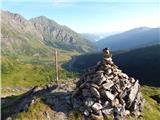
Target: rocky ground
pixel 55 96
pixel 53 103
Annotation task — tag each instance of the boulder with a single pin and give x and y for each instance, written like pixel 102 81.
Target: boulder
pixel 96 106
pixel 95 92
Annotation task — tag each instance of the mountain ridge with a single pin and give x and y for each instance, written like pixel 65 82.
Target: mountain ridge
pixel 21 36
pixel 131 39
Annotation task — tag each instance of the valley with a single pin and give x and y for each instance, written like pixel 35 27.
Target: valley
pixel 131 62
pixel 28 75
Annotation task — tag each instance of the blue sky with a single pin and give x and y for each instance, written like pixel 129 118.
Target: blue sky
pixel 91 15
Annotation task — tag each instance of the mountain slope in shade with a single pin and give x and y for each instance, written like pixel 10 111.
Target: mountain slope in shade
pixel 59 36
pixel 37 36
pixel 135 38
pixel 142 63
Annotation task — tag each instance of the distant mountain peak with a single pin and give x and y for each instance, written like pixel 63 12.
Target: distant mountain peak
pixel 43 20
pixel 131 39
pixel 22 36
pixel 139 29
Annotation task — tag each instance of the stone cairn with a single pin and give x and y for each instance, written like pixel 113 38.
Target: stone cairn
pixel 106 91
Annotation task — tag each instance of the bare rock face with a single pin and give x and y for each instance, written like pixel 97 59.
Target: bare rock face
pixel 106 91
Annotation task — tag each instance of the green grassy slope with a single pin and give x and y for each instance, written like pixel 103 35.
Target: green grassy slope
pixel 16 73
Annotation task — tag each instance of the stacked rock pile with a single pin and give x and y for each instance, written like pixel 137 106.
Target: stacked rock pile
pixel 106 91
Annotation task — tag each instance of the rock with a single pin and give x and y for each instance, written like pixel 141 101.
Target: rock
pixel 94 85
pixel 86 112
pixel 9 118
pixel 75 92
pixel 68 99
pixel 95 92
pixel 124 75
pixel 141 106
pixel 132 80
pixel 100 80
pixel 115 102
pixel 109 71
pixel 107 104
pixel 100 71
pixel 133 92
pixel 37 89
pixel 96 106
pixel 107 111
pixel 108 85
pixel 76 103
pixel 108 59
pixel 110 77
pixel 127 112
pixel 109 95
pixel 89 102
pixel 82 109
pixel 86 92
pixel 47 115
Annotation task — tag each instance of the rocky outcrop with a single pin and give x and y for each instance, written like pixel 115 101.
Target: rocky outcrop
pixel 105 90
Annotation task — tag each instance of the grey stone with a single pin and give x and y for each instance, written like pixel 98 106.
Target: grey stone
pixel 110 77
pixel 127 112
pixel 109 71
pixel 82 109
pixel 132 80
pixel 86 92
pixel 86 112
pixel 108 59
pixel 109 95
pixel 95 92
pixel 99 80
pixel 107 111
pixel 133 92
pixel 47 116
pixel 108 85
pixel 76 103
pixel 96 106
pixel 115 102
pixel 124 75
pixel 100 71
pixel 68 99
pixel 107 104
pixel 94 85
pixel 9 118
pixel 89 102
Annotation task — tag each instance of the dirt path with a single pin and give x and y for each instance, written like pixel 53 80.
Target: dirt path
pixel 13 90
